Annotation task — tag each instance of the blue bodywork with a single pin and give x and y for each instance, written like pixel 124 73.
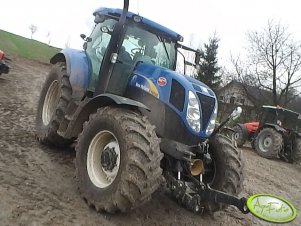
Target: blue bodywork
pixel 78 69
pixel 146 78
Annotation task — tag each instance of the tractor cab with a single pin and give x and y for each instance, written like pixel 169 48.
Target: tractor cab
pixel 140 40
pixel 279 116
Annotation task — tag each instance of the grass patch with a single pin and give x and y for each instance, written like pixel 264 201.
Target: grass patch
pixel 28 48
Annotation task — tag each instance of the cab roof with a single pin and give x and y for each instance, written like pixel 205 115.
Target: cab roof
pixel 280 109
pixel 146 22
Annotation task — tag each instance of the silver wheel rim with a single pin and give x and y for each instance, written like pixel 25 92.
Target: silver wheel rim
pixel 265 143
pixel 50 102
pixel 99 174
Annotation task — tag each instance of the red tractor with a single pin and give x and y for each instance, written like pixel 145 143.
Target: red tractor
pixel 3 67
pixel 276 135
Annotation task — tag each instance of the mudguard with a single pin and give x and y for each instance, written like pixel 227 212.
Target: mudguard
pixel 100 101
pixel 278 128
pixel 77 64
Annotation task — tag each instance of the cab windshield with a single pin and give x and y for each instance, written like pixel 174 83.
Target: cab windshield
pixel 143 45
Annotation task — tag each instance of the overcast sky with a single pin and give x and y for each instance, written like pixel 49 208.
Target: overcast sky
pixel 65 20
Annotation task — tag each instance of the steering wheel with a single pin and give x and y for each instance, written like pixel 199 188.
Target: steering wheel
pixel 135 50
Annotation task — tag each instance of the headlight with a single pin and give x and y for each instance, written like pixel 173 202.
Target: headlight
pixel 211 124
pixel 193 114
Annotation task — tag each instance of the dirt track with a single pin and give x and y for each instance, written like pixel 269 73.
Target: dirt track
pixel 38 186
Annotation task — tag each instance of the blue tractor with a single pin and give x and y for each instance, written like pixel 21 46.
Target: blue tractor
pixel 136 121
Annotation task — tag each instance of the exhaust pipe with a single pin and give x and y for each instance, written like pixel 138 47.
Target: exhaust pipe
pixel 196 167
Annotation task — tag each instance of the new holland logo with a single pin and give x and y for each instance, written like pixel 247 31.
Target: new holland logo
pixel 161 81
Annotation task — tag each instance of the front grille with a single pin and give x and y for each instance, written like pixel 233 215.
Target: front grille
pixel 207 105
pixel 177 95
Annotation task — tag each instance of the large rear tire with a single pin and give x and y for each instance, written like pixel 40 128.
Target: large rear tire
pixel 268 143
pixel 297 150
pixel 55 96
pixel 226 172
pixel 118 160
pixel 240 135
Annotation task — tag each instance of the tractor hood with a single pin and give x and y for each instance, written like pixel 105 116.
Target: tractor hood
pixel 172 89
pixel 159 80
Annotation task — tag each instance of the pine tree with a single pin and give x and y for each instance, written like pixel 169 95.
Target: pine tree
pixel 208 65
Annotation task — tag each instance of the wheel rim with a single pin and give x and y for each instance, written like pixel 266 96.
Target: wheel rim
pixel 50 102
pixel 103 159
pixel 265 143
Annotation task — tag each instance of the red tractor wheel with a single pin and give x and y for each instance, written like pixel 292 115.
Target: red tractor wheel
pixel 240 134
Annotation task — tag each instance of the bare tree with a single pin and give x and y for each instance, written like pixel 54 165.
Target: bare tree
pixel 33 28
pixel 275 62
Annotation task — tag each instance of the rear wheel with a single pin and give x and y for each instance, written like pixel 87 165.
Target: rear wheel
pixel 268 143
pixel 297 150
pixel 52 105
pixel 240 135
pixel 118 160
pixel 225 173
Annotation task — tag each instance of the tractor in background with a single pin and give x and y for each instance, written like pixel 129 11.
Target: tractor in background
pixel 276 135
pixel 4 68
pixel 245 132
pixel 136 121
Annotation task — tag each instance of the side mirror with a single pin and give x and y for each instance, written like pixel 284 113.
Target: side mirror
pixel 236 113
pixel 197 57
pixel 105 29
pixel 83 36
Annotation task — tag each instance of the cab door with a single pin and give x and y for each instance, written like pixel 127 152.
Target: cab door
pixel 96 47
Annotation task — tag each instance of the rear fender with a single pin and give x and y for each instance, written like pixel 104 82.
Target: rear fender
pixel 276 127
pixel 77 64
pixel 103 100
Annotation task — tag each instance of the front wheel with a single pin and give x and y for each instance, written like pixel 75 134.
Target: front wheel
pixel 118 160
pixel 226 171
pixel 268 143
pixel 240 134
pixel 54 98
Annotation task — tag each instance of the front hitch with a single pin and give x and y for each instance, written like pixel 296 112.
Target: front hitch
pixel 213 195
pixel 267 207
pixel 203 193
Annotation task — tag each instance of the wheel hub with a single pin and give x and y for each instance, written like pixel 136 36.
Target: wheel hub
pixel 103 159
pixel 267 142
pixel 236 136
pixel 50 102
pixel 109 159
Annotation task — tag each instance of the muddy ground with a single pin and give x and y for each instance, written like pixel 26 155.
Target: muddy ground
pixel 38 186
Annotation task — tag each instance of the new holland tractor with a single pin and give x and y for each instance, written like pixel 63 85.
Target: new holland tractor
pixel 136 121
